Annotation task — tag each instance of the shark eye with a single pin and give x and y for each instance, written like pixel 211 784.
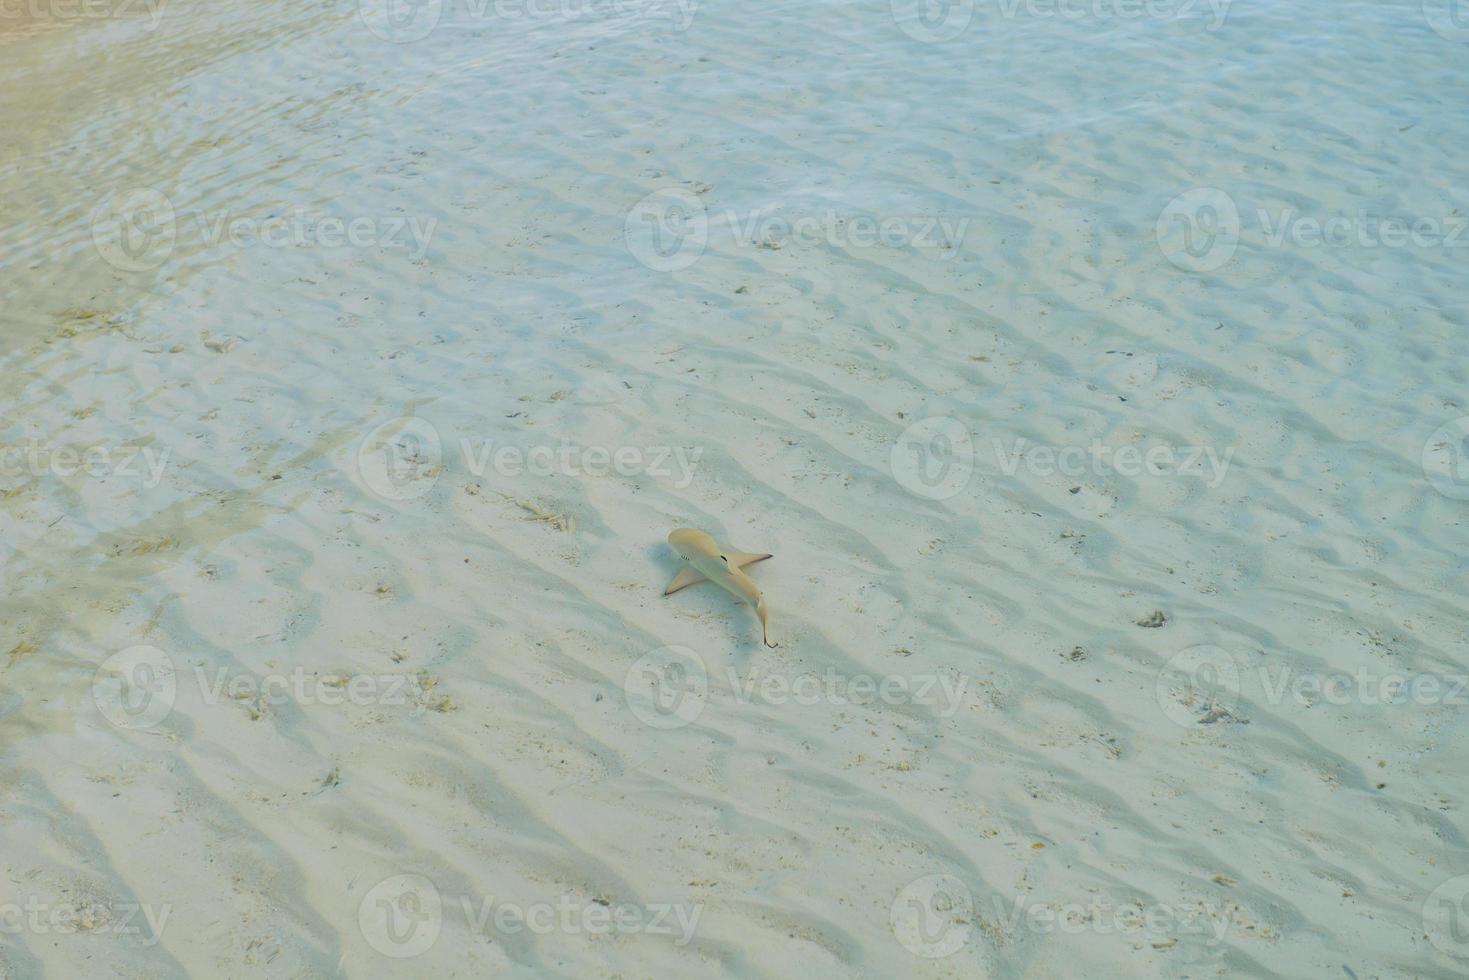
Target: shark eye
pixel 724 559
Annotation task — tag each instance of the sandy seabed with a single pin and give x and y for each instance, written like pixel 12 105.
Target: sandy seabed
pixel 1096 377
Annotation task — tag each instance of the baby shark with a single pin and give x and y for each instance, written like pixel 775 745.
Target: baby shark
pixel 708 562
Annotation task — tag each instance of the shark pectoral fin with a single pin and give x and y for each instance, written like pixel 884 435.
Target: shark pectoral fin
pixel 740 559
pixel 685 578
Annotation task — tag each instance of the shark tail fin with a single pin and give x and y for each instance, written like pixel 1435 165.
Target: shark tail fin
pixel 763 611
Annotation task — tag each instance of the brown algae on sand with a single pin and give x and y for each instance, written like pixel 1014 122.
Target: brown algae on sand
pixel 560 521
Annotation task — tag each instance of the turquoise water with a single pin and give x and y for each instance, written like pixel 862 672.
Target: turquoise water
pixel 390 343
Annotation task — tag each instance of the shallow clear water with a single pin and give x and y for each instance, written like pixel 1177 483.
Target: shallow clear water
pixel 325 325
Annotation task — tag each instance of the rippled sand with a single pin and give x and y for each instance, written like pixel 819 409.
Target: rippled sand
pixel 356 368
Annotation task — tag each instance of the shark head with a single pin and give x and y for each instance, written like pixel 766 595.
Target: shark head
pixel 691 543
